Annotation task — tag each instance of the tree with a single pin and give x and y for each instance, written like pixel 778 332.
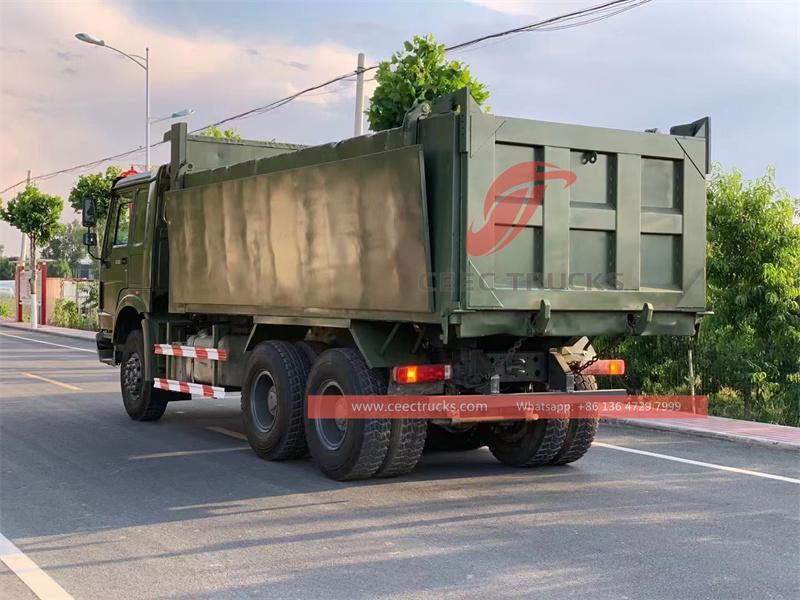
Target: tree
pixel 754 290
pixel 35 214
pixel 7 265
pixel 747 352
pixel 419 73
pixel 214 132
pixel 66 249
pixel 97 186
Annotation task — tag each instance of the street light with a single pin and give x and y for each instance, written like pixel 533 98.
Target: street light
pixel 144 63
pixel 181 113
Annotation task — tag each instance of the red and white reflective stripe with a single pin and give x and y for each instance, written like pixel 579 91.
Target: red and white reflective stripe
pixel 198 389
pixel 191 351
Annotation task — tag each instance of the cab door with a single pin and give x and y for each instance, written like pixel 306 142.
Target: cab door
pixel 114 275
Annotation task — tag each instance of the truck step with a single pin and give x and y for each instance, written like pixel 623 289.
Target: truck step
pixel 198 389
pixel 191 351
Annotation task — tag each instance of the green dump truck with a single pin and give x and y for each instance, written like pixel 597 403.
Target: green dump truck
pixel 460 254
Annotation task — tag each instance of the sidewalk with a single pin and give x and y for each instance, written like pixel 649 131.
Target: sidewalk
pixel 749 432
pixel 49 329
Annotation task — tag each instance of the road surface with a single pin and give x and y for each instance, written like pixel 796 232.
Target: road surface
pixel 93 505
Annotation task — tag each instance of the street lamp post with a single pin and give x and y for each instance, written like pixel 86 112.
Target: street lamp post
pixel 144 63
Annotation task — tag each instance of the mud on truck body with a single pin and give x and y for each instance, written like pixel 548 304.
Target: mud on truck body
pixel 281 271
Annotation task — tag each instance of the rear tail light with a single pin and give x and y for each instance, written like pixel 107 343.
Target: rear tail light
pixel 606 367
pixel 422 373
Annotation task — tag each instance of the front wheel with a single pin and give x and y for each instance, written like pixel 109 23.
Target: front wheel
pixel 142 401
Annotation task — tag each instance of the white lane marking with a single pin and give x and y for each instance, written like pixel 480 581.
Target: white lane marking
pixel 53 381
pixel 188 453
pixel 228 432
pixel 19 337
pixel 700 463
pixel 39 582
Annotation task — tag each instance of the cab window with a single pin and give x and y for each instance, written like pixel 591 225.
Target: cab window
pixel 140 211
pixel 123 225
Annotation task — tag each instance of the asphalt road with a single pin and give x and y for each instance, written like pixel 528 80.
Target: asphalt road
pixel 110 508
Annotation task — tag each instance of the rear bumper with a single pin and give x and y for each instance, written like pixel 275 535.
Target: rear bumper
pixel 105 347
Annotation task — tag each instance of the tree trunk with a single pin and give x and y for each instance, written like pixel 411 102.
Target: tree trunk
pixel 748 404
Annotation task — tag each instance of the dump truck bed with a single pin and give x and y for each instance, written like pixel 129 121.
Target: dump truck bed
pixel 607 233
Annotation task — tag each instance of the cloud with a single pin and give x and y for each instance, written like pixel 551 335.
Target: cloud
pixel 526 7
pixel 66 56
pixel 296 65
pixel 59 116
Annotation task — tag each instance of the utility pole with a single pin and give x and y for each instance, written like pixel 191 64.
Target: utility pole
pixel 34 306
pixel 23 246
pixel 359 126
pixel 147 106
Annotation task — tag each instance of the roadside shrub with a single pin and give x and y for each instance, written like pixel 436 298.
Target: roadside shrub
pixel 727 402
pixel 65 314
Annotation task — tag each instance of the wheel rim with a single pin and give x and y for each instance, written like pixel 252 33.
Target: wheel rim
pixel 132 376
pixel 264 401
pixel 331 432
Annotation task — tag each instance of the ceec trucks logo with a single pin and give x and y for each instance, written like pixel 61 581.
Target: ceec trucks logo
pixel 510 203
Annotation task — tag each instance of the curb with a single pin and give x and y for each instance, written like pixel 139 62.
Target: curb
pixel 63 334
pixel 730 437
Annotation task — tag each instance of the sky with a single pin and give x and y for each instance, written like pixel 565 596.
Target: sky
pixel 63 102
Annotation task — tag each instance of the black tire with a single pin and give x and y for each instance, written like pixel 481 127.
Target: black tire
pixel 529 443
pixel 406 443
pixel 355 448
pixel 311 349
pixel 441 439
pixel 580 432
pixel 142 401
pixel 273 400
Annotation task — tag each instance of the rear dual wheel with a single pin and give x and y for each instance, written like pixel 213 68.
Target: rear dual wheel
pixel 580 432
pixel 546 441
pixel 273 395
pixel 346 449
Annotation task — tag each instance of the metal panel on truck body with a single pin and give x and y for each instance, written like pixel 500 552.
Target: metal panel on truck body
pixel 340 238
pixel 629 230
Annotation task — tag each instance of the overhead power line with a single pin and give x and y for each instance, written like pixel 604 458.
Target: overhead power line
pixel 568 20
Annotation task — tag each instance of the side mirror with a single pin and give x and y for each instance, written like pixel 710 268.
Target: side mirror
pixel 89 213
pixel 90 239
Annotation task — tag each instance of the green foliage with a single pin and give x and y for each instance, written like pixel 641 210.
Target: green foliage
pixel 5 308
pixel 59 268
pixel 7 265
pixel 97 186
pixel 754 290
pixel 419 73
pixel 65 314
pixel 34 213
pixel 747 354
pixel 215 132
pixel 66 249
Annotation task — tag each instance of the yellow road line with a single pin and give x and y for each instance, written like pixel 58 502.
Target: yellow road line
pixel 39 582
pixel 699 463
pixel 66 386
pixel 228 432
